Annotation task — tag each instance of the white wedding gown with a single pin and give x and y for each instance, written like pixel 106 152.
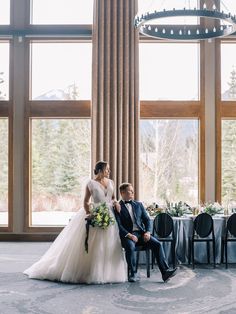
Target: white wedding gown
pixel 66 260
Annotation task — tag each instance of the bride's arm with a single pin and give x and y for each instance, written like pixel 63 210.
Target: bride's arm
pixel 116 204
pixel 86 200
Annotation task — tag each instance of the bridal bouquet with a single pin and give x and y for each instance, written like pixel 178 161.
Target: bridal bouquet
pixel 100 217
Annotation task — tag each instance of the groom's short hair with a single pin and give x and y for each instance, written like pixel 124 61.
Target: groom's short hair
pixel 124 186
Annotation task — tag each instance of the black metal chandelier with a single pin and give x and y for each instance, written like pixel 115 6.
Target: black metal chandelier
pixel 224 24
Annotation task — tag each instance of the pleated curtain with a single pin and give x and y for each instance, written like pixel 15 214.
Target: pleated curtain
pixel 115 99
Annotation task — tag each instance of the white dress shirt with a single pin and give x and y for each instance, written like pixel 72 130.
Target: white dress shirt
pixel 130 210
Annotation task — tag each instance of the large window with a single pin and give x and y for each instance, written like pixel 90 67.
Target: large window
pixel 60 168
pixel 172 128
pixel 169 161
pixel 169 71
pixel 4 70
pixel 62 12
pixel 226 119
pixel 61 71
pixel 228 71
pixel 4 12
pixel 3 171
pixel 58 112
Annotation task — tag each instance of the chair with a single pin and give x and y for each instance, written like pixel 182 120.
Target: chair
pixel 203 231
pixel 163 230
pixel 229 236
pixel 138 249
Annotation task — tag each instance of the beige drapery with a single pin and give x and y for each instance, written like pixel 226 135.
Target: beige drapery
pixel 115 101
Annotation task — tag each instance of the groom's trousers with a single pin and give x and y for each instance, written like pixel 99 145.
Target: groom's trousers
pixel 153 244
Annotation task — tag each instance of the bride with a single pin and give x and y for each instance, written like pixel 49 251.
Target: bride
pixel 66 260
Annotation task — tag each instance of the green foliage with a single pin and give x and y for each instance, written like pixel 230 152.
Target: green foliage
pixel 178 209
pixel 213 209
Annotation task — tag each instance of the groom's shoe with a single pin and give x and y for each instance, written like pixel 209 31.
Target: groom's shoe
pixel 168 274
pixel 133 278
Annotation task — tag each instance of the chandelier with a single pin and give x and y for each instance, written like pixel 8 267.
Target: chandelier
pixel 216 23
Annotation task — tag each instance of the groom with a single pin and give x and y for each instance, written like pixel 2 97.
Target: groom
pixel 135 228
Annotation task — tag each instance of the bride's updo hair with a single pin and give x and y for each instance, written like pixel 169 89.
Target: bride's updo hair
pixel 100 166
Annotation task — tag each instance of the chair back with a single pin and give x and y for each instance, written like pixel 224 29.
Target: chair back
pixel 231 224
pixel 203 225
pixel 163 225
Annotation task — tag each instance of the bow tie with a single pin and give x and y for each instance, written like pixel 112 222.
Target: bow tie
pixel 128 202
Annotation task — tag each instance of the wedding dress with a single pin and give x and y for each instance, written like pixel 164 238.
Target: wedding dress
pixel 66 260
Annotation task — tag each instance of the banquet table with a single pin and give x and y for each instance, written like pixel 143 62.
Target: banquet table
pixel 183 228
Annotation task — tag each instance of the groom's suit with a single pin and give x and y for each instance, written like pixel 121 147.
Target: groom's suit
pixel 137 223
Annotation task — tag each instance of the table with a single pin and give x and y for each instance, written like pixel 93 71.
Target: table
pixel 183 228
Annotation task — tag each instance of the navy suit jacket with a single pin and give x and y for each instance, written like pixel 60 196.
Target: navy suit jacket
pixel 124 220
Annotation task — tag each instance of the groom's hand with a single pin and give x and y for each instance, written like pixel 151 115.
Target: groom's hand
pixel 146 236
pixel 132 237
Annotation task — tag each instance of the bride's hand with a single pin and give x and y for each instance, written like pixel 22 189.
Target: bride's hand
pixel 117 206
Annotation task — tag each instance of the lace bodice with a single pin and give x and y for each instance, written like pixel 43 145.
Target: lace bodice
pixel 99 193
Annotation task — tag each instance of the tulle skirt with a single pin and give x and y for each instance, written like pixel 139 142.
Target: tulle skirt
pixel 66 260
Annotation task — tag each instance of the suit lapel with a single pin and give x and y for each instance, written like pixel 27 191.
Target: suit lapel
pixel 134 211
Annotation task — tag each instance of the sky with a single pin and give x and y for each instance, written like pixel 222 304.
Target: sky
pixel 169 71
pixel 4 12
pixel 58 65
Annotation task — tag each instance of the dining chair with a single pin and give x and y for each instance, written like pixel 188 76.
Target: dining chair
pixel 229 236
pixel 163 230
pixel 138 249
pixel 203 231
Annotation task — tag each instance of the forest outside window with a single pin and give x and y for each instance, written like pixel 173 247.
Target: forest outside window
pixel 60 167
pixel 169 151
pixel 228 191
